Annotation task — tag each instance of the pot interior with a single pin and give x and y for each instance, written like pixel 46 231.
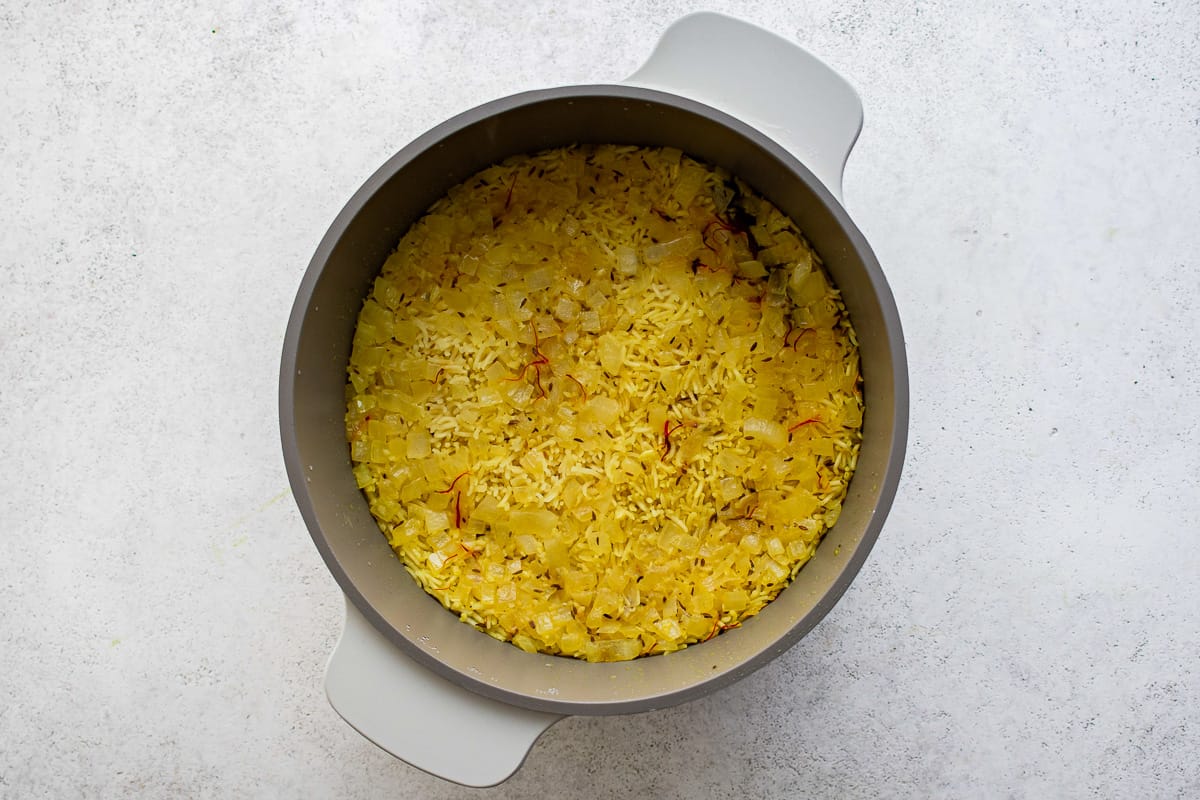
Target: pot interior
pixel 317 348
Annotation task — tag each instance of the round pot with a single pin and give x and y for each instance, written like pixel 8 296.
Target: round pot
pixel 407 673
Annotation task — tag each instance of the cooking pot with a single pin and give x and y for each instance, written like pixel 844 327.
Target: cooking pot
pixel 406 673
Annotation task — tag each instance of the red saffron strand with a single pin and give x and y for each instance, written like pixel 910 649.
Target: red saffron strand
pixel 799 425
pixel 800 336
pixel 537 377
pixel 720 223
pixel 457 477
pixel 541 359
pixel 538 362
pixel 458 509
pixel 580 385
pixel 787 333
pixel 667 431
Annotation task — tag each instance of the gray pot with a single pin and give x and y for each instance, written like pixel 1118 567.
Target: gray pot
pixel 408 674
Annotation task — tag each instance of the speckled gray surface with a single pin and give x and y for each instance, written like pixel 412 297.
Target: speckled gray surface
pixel 1027 626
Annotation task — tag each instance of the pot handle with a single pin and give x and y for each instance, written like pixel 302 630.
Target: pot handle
pixel 763 80
pixel 422 718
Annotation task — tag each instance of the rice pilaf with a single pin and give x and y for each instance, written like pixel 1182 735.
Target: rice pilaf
pixel 604 401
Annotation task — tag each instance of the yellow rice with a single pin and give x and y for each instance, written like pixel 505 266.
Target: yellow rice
pixel 604 401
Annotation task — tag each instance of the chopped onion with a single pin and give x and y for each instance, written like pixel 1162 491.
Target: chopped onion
pixel 676 248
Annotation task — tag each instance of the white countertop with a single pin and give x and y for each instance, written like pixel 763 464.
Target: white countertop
pixel 1028 624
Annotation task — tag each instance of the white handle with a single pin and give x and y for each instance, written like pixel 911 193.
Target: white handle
pixel 763 80
pixel 422 718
